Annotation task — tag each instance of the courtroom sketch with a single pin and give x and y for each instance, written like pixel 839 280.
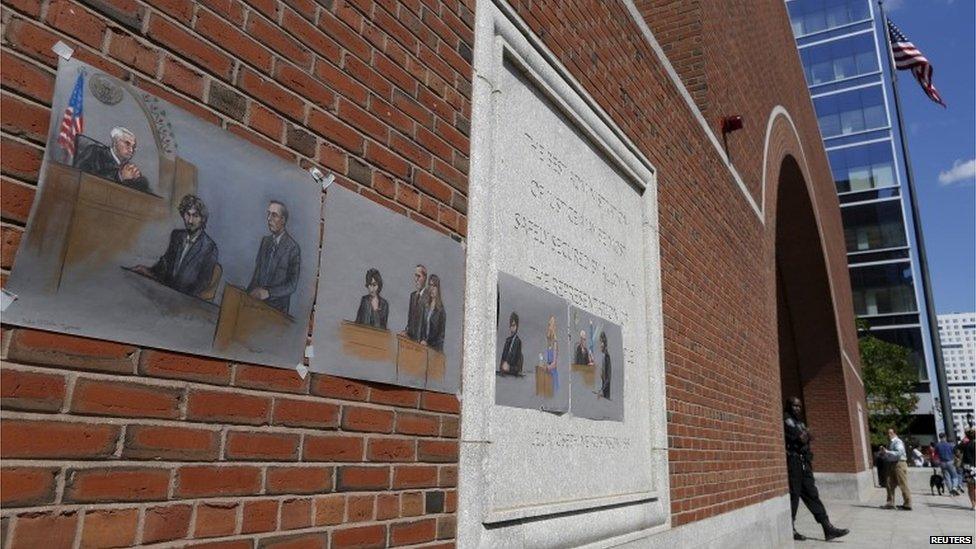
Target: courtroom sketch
pixel 145 225
pixel 531 370
pixel 597 369
pixel 405 327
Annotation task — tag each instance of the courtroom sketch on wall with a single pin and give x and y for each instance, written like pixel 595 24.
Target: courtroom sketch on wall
pixel 154 227
pixel 597 366
pixel 390 297
pixel 531 363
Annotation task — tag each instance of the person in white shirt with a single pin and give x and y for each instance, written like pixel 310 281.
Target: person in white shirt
pixel 897 472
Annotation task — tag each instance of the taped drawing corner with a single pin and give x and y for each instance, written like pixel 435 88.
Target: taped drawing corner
pixel 63 50
pixel 6 298
pixel 310 351
pixel 322 178
pixel 302 370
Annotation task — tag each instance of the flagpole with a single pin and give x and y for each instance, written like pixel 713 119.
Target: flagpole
pixel 946 405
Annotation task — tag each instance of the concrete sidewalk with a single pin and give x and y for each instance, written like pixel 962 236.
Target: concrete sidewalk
pixel 872 526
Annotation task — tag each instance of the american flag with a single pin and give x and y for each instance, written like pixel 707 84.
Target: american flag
pixel 73 121
pixel 907 56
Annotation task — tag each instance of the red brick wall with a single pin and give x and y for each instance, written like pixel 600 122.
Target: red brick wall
pixel 108 444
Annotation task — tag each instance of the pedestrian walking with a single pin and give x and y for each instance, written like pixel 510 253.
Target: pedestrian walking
pixel 969 465
pixel 947 457
pixel 800 471
pixel 897 472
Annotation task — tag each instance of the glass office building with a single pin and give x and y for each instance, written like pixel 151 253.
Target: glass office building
pixel 842 47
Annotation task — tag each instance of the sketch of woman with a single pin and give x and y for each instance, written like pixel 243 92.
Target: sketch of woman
pixel 432 331
pixel 373 309
pixel 605 386
pixel 552 352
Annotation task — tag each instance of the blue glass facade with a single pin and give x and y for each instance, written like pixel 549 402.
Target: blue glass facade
pixel 841 46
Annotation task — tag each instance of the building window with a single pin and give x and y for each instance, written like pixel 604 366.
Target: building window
pixel 811 16
pixel 851 111
pixel 839 59
pixel 883 289
pixel 873 226
pixel 863 167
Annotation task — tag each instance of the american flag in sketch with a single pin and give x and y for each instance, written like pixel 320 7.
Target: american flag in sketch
pixel 73 121
pixel 907 57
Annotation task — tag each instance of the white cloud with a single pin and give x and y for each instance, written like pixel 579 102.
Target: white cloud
pixel 960 171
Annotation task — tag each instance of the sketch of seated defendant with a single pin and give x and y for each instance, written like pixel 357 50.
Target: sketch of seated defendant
pixel 113 163
pixel 189 264
pixel 278 262
pixel 434 319
pixel 512 358
pixel 373 309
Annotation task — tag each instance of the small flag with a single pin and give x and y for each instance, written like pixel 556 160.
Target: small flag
pixel 73 121
pixel 907 57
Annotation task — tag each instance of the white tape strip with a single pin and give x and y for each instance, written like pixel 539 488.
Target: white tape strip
pixel 302 370
pixel 63 50
pixel 310 352
pixel 329 179
pixel 6 298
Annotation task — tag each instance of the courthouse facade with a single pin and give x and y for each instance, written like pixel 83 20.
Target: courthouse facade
pixel 575 146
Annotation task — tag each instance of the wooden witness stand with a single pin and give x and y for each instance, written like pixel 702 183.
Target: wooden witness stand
pixel 247 321
pixel 411 359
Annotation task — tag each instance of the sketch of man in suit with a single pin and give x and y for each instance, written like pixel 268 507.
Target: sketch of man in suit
pixel 582 355
pixel 512 351
pixel 113 163
pixel 418 299
pixel 188 264
pixel 278 262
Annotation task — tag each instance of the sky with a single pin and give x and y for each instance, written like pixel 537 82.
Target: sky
pixel 942 142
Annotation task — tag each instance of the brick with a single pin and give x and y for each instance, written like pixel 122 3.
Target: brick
pixel 34 40
pixel 384 158
pixel 384 184
pixel 186 367
pixel 204 481
pixel 54 439
pixel 20 160
pixel 112 484
pixel 433 502
pixel 342 34
pixel 450 501
pixel 337 387
pixel 36 347
pixel 408 196
pixel 329 510
pixel 361 537
pixel 29 7
pixel 333 448
pixel 232 10
pixel 179 9
pixel 265 121
pixel 358 418
pixel 409 533
pixel 227 407
pixel 317 40
pixel 259 516
pixel 304 85
pixel 300 140
pixel 391 449
pixel 166 523
pixel 15 198
pixel 192 48
pixel 192 107
pixel 417 424
pixel 183 78
pixel 359 508
pixel 447 476
pixel 77 22
pixel 305 413
pixel 450 427
pixel 51 530
pixel 387 506
pixel 261 446
pixel 397 75
pixel 419 476
pixel 127 12
pixel 440 402
pixel 296 513
pixel 109 398
pixel 275 38
pixel 133 53
pixel 376 83
pixel 24 119
pixel 234 41
pixel 298 541
pixel 30 80
pixel 27 486
pixel 412 504
pixel 394 396
pixel 10 237
pixel 171 443
pixel 391 115
pixel 352 478
pixel 364 122
pixel 274 379
pixel 110 528
pixel 413 108
pixel 20 390
pixel 437 451
pixel 215 519
pixel 332 129
pixel 299 480
pixel 227 101
pixel 271 94
pixel 341 82
pixel 446 527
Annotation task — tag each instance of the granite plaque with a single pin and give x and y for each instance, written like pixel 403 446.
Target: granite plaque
pixel 561 199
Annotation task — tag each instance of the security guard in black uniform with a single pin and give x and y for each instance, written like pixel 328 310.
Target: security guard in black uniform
pixel 798 465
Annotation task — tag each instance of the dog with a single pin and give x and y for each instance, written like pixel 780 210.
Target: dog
pixel 936 482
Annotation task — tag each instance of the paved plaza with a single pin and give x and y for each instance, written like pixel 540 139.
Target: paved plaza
pixel 872 526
